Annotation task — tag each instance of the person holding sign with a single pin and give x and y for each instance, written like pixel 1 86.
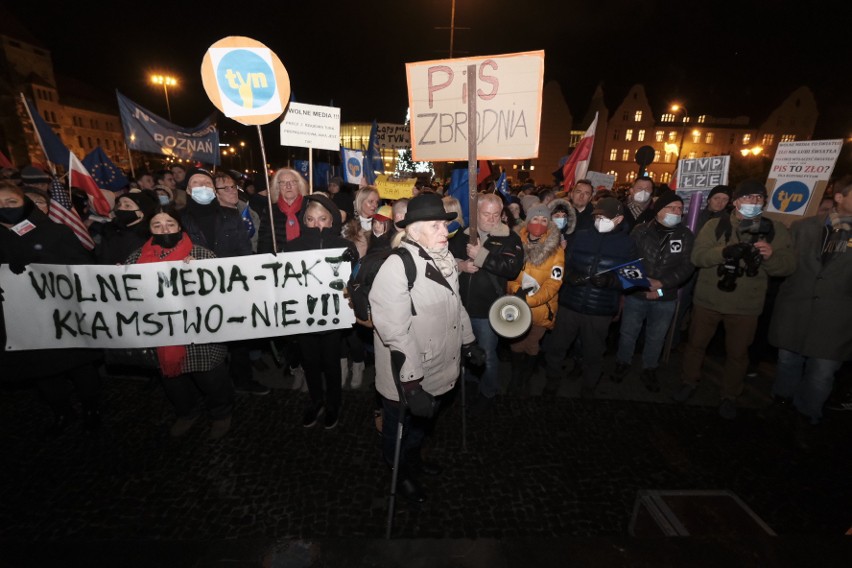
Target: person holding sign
pixel 321 351
pixel 27 236
pixel 192 374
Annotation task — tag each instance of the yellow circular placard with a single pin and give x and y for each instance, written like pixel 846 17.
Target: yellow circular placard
pixel 245 80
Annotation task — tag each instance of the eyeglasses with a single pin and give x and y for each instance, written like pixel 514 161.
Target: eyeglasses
pixel 754 198
pixel 227 188
pixel 289 183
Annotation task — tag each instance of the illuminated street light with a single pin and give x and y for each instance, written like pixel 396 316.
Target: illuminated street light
pixel 166 81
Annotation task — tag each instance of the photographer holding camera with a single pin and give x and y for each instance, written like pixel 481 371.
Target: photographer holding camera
pixel 735 254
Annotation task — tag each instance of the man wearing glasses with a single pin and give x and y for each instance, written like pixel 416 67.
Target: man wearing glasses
pixel 735 254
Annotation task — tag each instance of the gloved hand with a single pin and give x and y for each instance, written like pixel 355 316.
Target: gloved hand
pixel 522 292
pixel 474 354
pixel 734 251
pixel 576 279
pixel 418 401
pixel 17 268
pixel 605 280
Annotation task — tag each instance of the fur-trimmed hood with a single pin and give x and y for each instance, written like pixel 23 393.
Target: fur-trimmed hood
pixel 539 251
pixel 571 224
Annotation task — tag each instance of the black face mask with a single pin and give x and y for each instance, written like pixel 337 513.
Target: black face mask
pixel 168 240
pixel 12 215
pixel 124 217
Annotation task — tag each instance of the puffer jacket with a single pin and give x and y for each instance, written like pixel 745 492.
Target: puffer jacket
pixel 592 252
pixel 544 260
pixel 500 259
pixel 750 294
pixel 430 339
pixel 665 255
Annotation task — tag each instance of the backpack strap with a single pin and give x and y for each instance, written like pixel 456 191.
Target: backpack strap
pixel 724 228
pixel 410 271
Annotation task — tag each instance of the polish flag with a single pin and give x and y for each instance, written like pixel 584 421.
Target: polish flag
pixel 577 164
pixel 79 176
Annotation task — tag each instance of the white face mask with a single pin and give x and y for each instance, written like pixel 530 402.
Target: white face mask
pixel 604 225
pixel 203 195
pixel 642 196
pixel 750 210
pixel 560 222
pixel 671 220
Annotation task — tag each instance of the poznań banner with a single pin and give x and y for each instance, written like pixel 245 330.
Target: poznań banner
pixel 175 303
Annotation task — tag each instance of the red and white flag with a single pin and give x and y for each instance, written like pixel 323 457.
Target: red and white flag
pixel 79 176
pixel 577 163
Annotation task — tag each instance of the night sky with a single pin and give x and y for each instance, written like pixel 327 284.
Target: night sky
pixel 738 60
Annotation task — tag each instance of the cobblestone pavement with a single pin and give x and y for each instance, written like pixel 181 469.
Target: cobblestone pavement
pixel 535 467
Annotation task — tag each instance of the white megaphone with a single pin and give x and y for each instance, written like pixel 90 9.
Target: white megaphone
pixel 510 316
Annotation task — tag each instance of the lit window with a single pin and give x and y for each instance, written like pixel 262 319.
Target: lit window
pixel 667 177
pixel 746 138
pixel 613 154
pixel 768 139
pixel 641 136
pixel 692 155
pixel 667 117
pixel 788 138
pixel 659 135
pixel 614 174
pixel 708 138
pixel 702 118
pixel 696 137
pixel 672 136
pixel 656 155
pixel 628 134
pixel 625 154
pixel 637 117
pixel 668 158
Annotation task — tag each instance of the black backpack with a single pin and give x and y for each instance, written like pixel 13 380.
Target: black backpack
pixel 361 280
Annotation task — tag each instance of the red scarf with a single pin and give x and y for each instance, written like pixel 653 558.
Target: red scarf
pixel 291 211
pixel 171 357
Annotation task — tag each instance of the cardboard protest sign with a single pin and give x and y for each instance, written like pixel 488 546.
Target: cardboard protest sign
pixel 175 303
pixel 600 180
pixel 799 170
pixel 245 80
pixel 393 136
pixel 311 126
pixel 508 107
pixel 701 175
pixel 391 187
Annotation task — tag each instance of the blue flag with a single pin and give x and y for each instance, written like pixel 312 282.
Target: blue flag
pixel 322 172
pixel 246 215
pixel 503 185
pixel 105 173
pixel 301 166
pixel 459 190
pixel 373 157
pixel 55 150
pixel 352 163
pixel 632 274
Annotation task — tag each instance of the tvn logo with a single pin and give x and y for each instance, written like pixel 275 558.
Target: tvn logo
pixel 246 79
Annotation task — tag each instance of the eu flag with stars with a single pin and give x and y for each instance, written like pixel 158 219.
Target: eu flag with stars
pixel 632 274
pixel 104 171
pixel 249 224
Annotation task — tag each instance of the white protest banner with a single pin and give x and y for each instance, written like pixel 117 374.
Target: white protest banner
pixel 600 180
pixel 175 303
pixel 392 187
pixel 799 170
pixel 393 136
pixel 311 126
pixel 701 175
pixel 508 103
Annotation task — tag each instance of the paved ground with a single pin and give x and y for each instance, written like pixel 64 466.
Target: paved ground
pixel 556 477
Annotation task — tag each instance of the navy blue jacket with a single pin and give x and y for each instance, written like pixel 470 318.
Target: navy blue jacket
pixel 590 253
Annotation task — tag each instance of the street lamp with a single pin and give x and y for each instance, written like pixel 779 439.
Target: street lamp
pixel 166 81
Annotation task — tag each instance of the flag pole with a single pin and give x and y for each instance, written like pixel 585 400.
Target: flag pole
pixel 38 137
pixel 310 170
pixel 130 159
pixel 268 194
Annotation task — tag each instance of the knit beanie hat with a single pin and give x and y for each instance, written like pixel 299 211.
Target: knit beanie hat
pixel 667 198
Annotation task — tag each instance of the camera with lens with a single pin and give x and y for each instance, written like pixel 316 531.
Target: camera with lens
pixel 740 258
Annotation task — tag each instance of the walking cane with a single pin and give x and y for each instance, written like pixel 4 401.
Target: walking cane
pixel 397 360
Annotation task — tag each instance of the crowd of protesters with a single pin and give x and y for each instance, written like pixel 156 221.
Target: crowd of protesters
pixel 559 249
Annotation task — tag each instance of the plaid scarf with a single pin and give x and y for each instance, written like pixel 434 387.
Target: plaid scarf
pixel 838 236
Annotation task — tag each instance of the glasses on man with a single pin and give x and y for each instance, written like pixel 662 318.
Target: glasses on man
pixel 227 188
pixel 756 198
pixel 288 183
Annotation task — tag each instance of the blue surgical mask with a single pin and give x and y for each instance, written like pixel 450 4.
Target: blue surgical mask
pixel 203 195
pixel 671 220
pixel 164 199
pixel 560 222
pixel 750 210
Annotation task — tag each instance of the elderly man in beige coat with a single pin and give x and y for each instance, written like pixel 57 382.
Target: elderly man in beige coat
pixel 422 335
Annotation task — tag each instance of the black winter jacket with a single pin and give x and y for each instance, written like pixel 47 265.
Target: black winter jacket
pixel 665 255
pixel 590 253
pixel 504 261
pixel 231 234
pixel 264 233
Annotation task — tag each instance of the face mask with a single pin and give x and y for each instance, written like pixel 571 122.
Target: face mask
pixel 671 220
pixel 203 195
pixel 604 225
pixel 642 196
pixel 164 199
pixel 536 229
pixel 750 210
pixel 561 222
pixel 124 217
pixel 168 240
pixel 12 215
